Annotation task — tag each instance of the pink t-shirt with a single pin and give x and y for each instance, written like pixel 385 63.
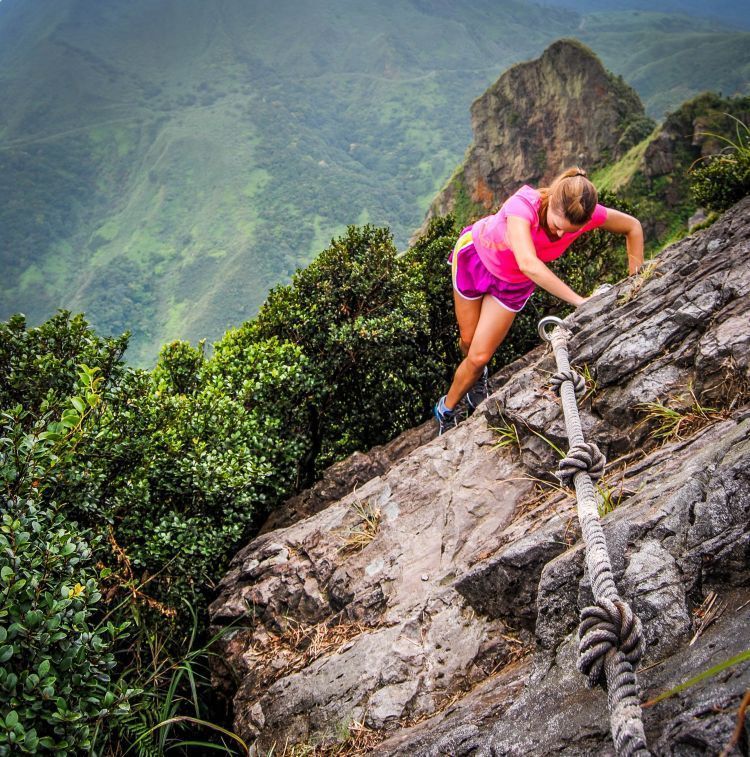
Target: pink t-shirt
pixel 488 235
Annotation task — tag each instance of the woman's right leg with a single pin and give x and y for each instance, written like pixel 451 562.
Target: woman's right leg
pixel 489 331
pixel 467 315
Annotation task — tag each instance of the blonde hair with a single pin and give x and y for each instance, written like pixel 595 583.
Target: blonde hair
pixel 571 194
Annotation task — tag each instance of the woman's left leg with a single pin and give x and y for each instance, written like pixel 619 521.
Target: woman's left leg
pixel 493 325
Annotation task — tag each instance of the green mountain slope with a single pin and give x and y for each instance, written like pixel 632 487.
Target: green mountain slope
pixel 672 61
pixel 163 165
pixel 726 11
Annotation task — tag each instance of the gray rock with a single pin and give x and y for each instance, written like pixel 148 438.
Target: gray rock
pixel 658 593
pixel 696 219
pixel 453 629
pixel 345 476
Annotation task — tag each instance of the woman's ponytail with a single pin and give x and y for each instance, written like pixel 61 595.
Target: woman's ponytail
pixel 573 195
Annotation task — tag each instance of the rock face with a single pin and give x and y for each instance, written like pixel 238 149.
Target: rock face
pixel 656 175
pixel 433 610
pixel 345 476
pixel 539 117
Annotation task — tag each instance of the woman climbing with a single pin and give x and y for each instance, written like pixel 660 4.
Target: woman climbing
pixel 498 262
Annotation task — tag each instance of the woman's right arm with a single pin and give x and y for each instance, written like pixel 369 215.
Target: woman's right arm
pixel 518 235
pixel 630 228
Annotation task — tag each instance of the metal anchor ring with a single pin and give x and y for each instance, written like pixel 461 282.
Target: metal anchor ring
pixel 549 320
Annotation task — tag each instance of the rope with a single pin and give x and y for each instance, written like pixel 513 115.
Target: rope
pixel 581 457
pixel 610 634
pixel 579 382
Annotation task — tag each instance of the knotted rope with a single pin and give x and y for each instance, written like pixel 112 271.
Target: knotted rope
pixel 581 457
pixel 579 382
pixel 610 634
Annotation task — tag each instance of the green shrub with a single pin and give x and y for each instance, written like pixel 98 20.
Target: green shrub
pixel 184 474
pixel 55 687
pixel 634 131
pixel 171 467
pixel 178 368
pixel 357 316
pixel 157 476
pixel 723 179
pixel 35 362
pixel 55 674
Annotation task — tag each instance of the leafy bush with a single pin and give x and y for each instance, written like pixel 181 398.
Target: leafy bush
pixel 178 368
pixel 55 687
pixel 185 472
pixel 167 470
pixel 170 468
pixel 35 362
pixel 357 316
pixel 634 131
pixel 724 179
pixel 55 675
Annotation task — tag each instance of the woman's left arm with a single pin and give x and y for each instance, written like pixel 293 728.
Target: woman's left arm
pixel 622 223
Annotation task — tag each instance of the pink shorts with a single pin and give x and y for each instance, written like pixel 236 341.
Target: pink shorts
pixel 472 280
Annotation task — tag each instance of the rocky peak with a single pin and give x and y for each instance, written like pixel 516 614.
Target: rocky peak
pixel 433 610
pixel 562 109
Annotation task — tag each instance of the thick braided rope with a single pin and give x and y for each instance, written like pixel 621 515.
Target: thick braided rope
pixel 581 457
pixel 579 382
pixel 605 625
pixel 611 639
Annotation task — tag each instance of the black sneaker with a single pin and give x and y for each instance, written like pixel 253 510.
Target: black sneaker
pixel 447 419
pixel 480 391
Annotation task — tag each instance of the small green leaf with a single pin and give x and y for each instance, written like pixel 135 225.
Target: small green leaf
pixel 31 742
